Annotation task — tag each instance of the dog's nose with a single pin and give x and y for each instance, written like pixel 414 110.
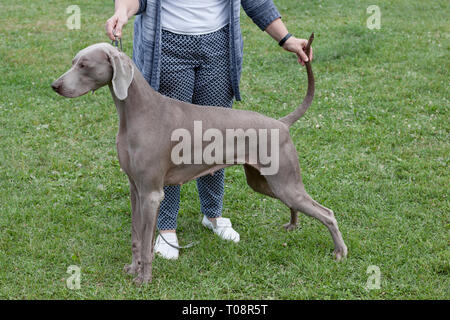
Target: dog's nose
pixel 55 86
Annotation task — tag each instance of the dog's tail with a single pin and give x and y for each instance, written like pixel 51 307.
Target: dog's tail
pixel 301 109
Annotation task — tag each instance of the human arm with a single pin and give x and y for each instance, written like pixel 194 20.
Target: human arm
pixel 123 10
pixel 277 30
pixel 266 16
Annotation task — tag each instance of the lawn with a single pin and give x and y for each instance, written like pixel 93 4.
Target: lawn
pixel 374 147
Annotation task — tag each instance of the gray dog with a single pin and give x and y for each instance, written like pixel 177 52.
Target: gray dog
pixel 145 146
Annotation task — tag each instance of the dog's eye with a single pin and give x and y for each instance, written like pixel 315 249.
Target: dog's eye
pixel 81 65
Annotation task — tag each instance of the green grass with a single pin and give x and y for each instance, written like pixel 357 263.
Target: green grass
pixel 373 147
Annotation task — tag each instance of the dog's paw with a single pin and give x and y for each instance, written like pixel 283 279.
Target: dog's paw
pixel 131 268
pixel 141 280
pixel 289 226
pixel 340 253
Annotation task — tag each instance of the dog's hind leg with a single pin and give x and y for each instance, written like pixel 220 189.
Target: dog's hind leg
pixel 287 186
pixel 326 216
pixel 301 201
pixel 259 183
pixel 291 225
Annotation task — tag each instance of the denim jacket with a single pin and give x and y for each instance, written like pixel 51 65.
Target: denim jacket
pixel 147 36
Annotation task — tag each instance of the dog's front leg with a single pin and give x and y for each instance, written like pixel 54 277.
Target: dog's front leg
pixel 136 219
pixel 149 205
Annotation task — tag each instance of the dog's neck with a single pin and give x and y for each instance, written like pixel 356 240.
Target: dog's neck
pixel 138 91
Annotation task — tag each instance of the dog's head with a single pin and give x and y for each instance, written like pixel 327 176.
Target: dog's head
pixel 94 67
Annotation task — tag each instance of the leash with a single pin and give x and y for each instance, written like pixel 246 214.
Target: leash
pixel 116 42
pixel 177 247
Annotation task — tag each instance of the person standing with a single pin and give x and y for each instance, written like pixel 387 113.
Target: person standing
pixel 192 51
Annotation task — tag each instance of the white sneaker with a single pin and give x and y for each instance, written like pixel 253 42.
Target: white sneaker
pixel 165 250
pixel 222 227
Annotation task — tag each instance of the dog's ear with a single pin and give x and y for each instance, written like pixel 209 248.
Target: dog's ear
pixel 123 73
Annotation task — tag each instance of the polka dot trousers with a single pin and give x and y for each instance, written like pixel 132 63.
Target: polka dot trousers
pixel 196 69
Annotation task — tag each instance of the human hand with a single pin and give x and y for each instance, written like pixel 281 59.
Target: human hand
pixel 115 24
pixel 297 46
